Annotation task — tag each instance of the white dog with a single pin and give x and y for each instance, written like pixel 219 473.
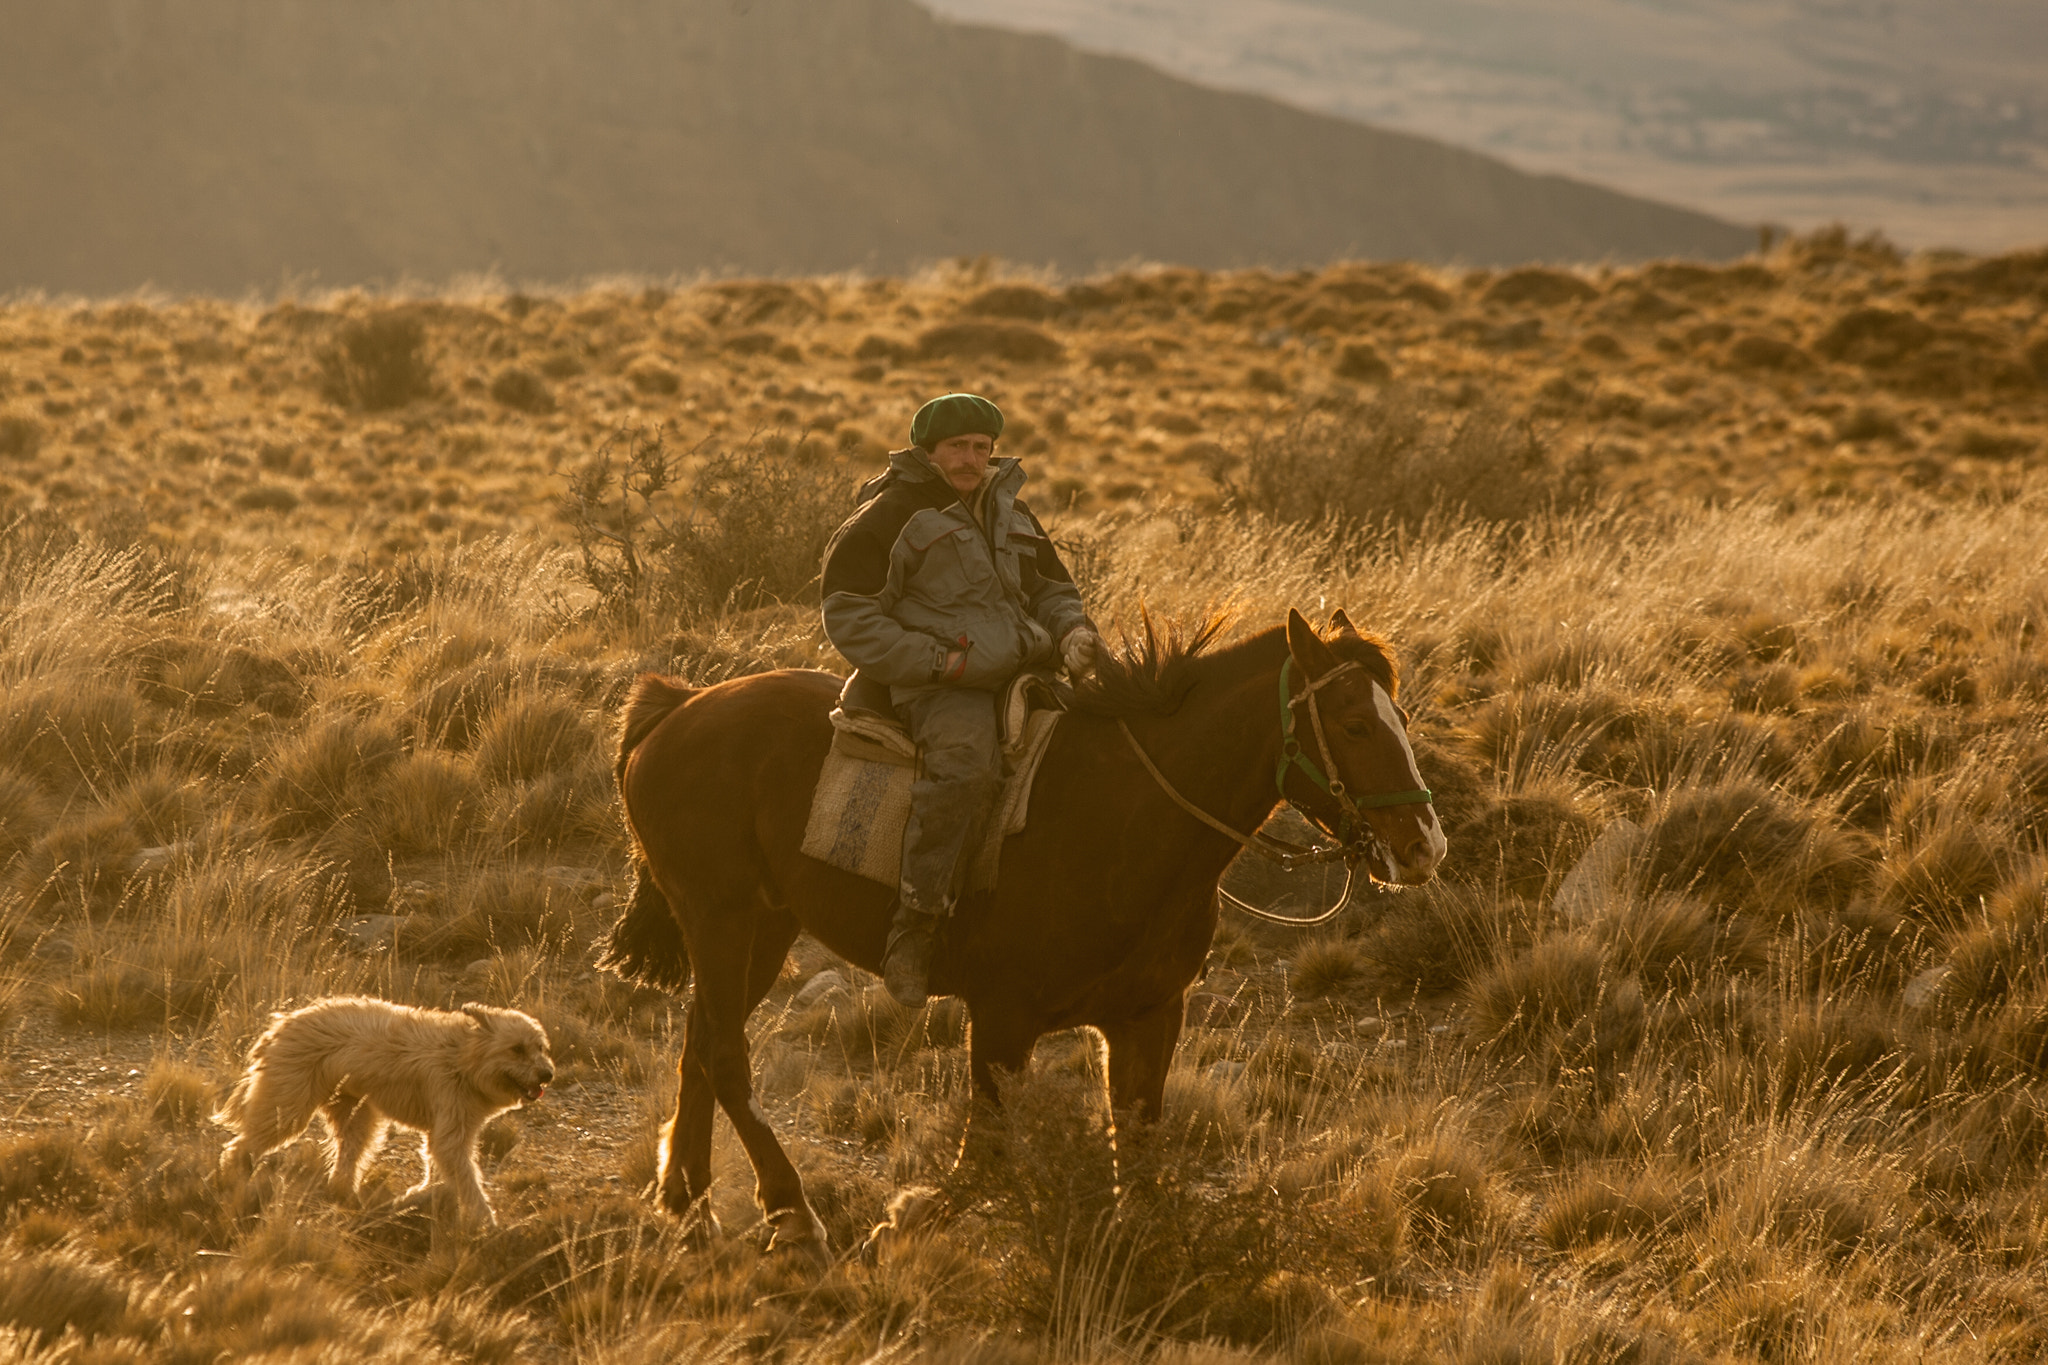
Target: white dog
pixel 363 1064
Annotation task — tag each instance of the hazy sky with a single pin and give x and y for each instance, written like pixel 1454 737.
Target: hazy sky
pixel 1927 118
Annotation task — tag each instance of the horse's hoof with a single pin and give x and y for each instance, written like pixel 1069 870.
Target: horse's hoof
pixel 798 1230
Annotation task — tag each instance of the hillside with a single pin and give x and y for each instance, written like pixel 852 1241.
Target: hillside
pixel 315 630
pixel 1919 117
pixel 227 144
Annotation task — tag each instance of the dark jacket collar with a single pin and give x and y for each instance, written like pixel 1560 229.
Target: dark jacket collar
pixel 914 465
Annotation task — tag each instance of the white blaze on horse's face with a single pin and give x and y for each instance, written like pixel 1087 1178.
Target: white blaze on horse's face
pixel 1415 850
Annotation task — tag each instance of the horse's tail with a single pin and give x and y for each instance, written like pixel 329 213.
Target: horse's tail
pixel 646 946
pixel 650 702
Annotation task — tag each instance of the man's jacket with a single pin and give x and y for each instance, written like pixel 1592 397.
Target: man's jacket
pixel 912 575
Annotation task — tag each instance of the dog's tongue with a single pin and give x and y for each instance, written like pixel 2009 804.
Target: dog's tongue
pixel 533 1095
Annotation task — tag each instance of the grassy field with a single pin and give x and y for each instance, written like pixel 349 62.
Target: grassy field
pixel 1720 594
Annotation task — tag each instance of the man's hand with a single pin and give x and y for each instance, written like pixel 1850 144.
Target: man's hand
pixel 1080 649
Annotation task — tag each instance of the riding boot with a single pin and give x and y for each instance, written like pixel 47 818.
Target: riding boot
pixel 907 957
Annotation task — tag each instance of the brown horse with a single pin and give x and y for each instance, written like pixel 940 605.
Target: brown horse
pixel 1106 902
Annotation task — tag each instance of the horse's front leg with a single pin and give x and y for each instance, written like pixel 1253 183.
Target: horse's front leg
pixel 1140 1055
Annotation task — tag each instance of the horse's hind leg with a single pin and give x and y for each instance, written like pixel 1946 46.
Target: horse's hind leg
pixel 777 1187
pixel 736 964
pixel 683 1171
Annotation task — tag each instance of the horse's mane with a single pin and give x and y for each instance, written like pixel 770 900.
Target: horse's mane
pixel 1149 675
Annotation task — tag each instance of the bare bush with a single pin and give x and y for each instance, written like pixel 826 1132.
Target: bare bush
pixel 748 527
pixel 1391 462
pixel 377 363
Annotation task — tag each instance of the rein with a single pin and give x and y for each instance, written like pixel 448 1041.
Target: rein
pixel 1355 838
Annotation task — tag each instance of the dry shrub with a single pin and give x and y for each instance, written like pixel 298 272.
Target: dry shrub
pixel 326 774
pixel 1391 462
pixel 1444 1182
pixel 1015 341
pixel 1537 287
pixel 1326 965
pixel 376 363
pixel 162 806
pixel 653 376
pixel 53 1169
pixel 177 1095
pixel 21 436
pixel 759 532
pixel 1021 302
pixel 1743 844
pixel 521 389
pixel 1598 728
pixel 1137 1235
pixel 532 738
pixel 1361 362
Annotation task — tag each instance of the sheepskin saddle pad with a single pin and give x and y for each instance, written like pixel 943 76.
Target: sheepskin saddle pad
pixel 862 801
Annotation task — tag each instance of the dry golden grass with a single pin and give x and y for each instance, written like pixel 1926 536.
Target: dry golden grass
pixel 313 620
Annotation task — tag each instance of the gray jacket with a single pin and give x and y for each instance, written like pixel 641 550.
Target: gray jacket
pixel 912 576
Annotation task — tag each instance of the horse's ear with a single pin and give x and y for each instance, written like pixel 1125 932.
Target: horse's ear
pixel 1341 623
pixel 1311 655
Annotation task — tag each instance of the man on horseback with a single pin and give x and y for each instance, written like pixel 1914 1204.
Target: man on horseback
pixel 940 589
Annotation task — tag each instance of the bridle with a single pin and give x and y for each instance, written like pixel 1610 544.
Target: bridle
pixel 1354 834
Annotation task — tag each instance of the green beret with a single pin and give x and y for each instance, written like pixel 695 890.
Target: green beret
pixel 956 414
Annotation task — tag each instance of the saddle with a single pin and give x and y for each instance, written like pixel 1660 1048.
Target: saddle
pixel 862 800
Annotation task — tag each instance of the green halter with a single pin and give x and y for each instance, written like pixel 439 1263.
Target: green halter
pixel 1291 756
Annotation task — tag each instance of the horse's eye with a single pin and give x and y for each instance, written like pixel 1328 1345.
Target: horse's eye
pixel 1356 729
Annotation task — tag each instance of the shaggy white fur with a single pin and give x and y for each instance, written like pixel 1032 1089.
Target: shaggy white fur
pixel 363 1064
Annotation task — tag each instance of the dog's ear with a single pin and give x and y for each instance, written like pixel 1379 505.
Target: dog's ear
pixel 481 1013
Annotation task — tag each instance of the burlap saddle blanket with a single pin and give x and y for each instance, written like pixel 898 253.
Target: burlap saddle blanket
pixel 862 801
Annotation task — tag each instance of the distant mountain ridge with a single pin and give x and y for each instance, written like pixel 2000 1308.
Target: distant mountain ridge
pixel 219 145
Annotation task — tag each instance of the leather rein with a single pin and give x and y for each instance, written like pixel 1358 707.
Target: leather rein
pixel 1355 836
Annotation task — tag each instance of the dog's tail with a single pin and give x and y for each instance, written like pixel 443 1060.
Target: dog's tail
pixel 646 945
pixel 234 1104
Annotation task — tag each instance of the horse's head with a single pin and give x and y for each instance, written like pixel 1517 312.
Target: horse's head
pixel 1347 722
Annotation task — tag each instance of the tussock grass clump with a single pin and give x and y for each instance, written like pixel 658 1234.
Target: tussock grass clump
pixel 51 1294
pixel 1743 843
pixel 73 734
pixel 1558 1000
pixel 1632 1202
pixel 533 738
pixel 1015 341
pixel 377 362
pixel 327 773
pixel 427 804
pixel 26 811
